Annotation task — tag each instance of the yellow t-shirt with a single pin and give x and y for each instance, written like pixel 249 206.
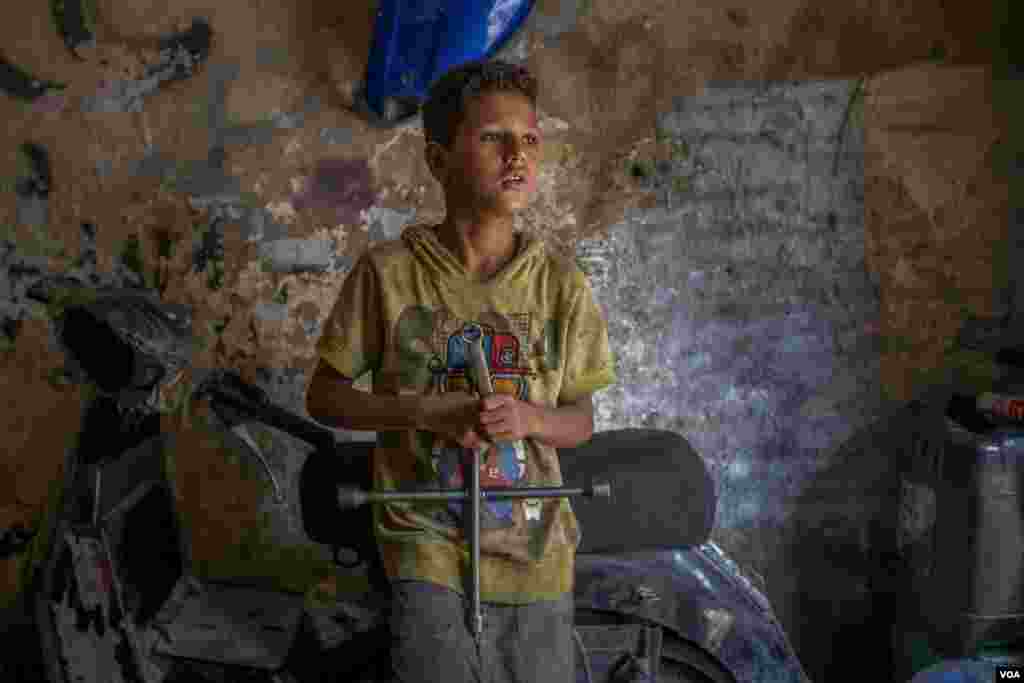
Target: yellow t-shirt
pixel 402 314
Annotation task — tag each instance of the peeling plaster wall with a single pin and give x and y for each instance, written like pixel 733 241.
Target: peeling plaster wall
pixel 745 316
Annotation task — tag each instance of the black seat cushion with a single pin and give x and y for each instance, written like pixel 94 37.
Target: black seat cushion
pixel 662 493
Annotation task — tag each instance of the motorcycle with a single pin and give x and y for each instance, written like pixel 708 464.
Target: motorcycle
pixel 115 598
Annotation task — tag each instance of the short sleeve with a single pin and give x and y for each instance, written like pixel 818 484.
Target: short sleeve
pixel 352 338
pixel 589 364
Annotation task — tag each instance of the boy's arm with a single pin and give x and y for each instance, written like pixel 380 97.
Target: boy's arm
pixel 335 403
pixel 353 340
pixel 566 426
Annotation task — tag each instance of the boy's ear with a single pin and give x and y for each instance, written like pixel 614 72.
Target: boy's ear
pixel 437 160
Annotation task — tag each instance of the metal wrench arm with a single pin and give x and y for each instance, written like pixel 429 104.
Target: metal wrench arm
pixel 483 381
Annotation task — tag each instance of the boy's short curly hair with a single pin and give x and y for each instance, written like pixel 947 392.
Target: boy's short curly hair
pixel 446 101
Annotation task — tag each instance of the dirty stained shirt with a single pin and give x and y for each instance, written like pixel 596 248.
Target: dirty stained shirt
pixel 404 313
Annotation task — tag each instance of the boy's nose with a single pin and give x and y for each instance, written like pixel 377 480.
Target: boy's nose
pixel 514 154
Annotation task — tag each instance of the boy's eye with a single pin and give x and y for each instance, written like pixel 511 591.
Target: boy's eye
pixel 532 138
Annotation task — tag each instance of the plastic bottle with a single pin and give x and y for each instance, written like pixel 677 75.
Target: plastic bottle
pixel 1002 407
pixel 986 411
pixel 957 671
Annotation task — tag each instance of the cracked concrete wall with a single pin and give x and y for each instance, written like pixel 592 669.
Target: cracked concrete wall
pixel 771 284
pixel 744 315
pixel 743 310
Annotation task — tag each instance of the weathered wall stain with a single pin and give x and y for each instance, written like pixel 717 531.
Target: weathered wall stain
pixel 724 329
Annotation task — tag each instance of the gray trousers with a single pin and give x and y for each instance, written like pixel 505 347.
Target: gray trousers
pixel 431 642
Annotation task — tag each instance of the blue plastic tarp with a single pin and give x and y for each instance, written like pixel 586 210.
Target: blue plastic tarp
pixel 417 41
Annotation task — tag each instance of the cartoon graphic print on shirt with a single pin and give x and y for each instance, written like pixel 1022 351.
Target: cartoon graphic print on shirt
pixel 504 469
pixel 504 464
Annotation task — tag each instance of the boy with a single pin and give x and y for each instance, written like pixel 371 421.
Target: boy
pixel 405 313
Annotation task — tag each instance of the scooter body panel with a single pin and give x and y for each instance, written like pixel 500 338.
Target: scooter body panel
pixel 699 595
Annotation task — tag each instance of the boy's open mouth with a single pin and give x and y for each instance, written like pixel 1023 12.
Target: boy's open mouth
pixel 513 181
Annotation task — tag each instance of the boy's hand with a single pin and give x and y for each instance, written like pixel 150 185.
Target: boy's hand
pixel 504 418
pixel 454 416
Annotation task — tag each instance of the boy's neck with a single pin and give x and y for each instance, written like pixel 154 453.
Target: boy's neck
pixel 482 250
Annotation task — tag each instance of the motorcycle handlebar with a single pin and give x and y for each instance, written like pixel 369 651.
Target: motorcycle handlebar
pixel 270 414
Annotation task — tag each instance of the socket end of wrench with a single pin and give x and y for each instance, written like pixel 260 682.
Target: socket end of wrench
pixel 350 498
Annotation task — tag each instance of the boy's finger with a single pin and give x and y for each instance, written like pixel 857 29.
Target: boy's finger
pixel 482 442
pixel 496 401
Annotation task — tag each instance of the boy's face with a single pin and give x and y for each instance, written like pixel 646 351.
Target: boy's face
pixel 498 135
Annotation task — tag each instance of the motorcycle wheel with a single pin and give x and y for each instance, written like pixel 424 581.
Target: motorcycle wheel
pixel 23 660
pixel 684 662
pixel 681 660
pixel 675 672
